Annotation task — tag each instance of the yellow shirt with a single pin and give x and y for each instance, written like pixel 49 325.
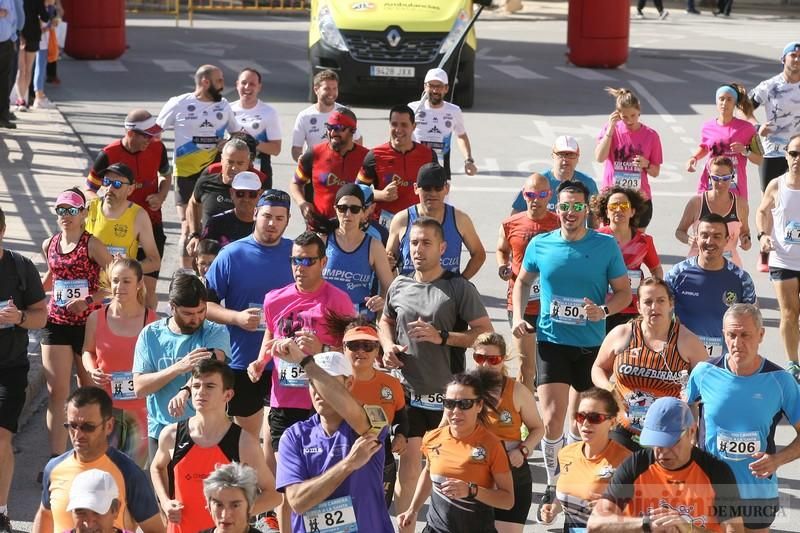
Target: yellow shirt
pixel 118 234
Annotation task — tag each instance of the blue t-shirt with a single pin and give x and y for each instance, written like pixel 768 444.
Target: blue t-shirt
pixel 237 276
pixel 702 297
pixel 740 415
pixel 307 452
pixel 570 271
pixel 158 348
pixel 519 202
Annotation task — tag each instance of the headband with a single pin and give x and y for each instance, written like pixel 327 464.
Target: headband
pixel 147 126
pixel 70 198
pixel 340 119
pixel 730 90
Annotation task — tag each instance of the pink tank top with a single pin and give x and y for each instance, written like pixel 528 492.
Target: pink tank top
pixel 75 275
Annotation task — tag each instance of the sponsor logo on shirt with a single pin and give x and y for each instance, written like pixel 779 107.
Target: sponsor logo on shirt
pixel 605 472
pixel 312 449
pixel 478 454
pixel 729 298
pixel 690 293
pixel 505 417
pixel 386 393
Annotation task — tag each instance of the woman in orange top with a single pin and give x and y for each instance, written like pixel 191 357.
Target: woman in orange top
pixel 586 466
pixel 467 467
pixel 516 406
pixel 650 357
pixel 108 346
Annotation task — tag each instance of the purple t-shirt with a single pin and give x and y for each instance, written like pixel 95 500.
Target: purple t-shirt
pixel 287 311
pixel 717 140
pixel 307 452
pixel 625 145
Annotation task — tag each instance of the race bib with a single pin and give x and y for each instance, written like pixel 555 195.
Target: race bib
pixel 332 516
pixel 713 345
pixel 429 402
pixel 636 279
pixel 291 375
pixel 262 325
pixel 627 174
pixel 791 233
pixel 118 250
pixel 122 386
pixel 65 290
pixel 536 290
pixel 3 305
pixel 737 445
pixel 565 310
pixel 385 218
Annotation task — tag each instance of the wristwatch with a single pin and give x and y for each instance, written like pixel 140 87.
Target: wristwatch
pixel 89 300
pixel 444 334
pixel 646 523
pixel 605 310
pixel 469 160
pixel 760 234
pixel 307 359
pixel 186 388
pixel 523 450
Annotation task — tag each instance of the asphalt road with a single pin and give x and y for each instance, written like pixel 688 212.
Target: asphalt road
pixel 526 95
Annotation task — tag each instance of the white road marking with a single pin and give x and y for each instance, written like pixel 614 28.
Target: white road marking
pixel 652 75
pixel 175 65
pixel 688 140
pixel 678 129
pixel 238 65
pixel 644 93
pixel 586 73
pixel 107 66
pixel 518 72
pixel 713 75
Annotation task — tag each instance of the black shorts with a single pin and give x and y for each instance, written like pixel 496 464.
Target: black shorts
pixel 161 240
pixel 13 382
pixel 522 496
pixel 32 42
pixel 421 420
pixel 530 319
pixel 184 188
pixel 647 214
pixel 556 363
pixel 756 513
pixel 782 274
pixel 63 335
pixel 620 435
pixel 282 418
pixel 248 398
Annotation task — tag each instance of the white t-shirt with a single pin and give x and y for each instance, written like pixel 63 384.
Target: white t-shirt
pixel 260 121
pixel 436 125
pixel 781 101
pixel 309 127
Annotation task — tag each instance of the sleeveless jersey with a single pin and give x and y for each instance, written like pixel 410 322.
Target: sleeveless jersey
pixel 506 422
pixel 75 275
pixel 328 170
pixel 637 251
pixel 350 271
pixel 786 228
pixel 643 375
pixel 451 259
pixel 189 466
pixel 734 228
pixel 118 234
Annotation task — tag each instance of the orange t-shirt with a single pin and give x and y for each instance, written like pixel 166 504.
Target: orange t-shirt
pixel 506 422
pixel 383 390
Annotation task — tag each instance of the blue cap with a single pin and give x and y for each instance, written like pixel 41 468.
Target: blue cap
pixel 369 197
pixel 274 197
pixel 665 421
pixel 791 47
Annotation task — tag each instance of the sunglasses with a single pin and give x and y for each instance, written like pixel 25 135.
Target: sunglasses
pixel 532 195
pixel 355 209
pixel 429 188
pixel 619 206
pixel 336 127
pixel 71 211
pixel 361 346
pixel 576 207
pixel 249 194
pixel 481 358
pixel 794 154
pixel 566 155
pixel 464 404
pixel 726 177
pixel 304 261
pixel 86 427
pixel 117 184
pixel 592 418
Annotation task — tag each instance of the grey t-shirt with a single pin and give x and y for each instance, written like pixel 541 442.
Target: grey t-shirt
pixel 442 302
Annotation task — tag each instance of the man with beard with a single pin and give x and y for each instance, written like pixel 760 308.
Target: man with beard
pixel 437 121
pixel 705 286
pixel 167 350
pixel 200 119
pixel 328 165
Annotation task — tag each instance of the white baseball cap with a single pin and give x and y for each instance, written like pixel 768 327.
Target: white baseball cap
pixel 334 363
pixel 436 74
pixel 94 490
pixel 566 143
pixel 246 181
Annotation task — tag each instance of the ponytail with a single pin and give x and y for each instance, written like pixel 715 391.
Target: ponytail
pixel 486 384
pixel 743 101
pixel 624 98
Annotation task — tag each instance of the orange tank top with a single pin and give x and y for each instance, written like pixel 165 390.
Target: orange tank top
pixel 383 390
pixel 506 422
pixel 642 375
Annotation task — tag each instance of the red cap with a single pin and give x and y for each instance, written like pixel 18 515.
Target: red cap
pixel 340 119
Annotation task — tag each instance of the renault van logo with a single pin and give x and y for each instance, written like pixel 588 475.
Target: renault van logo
pixel 393 38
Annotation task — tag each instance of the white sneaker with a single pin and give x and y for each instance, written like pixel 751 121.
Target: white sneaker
pixel 43 104
pixel 664 14
pixel 639 15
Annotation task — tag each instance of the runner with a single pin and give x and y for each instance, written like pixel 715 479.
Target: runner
pixel 649 357
pixel 108 347
pixel 236 223
pixel 206 252
pixel 778 223
pixel 587 466
pixel 257 118
pixel 719 200
pixel 630 150
pixel 515 233
pixel 618 209
pixel 467 474
pixel 571 327
pixel 743 397
pixel 94 502
pixel 74 259
pixel 706 285
pixel 516 406
pixel 230 492
pixel 731 137
pixel 437 120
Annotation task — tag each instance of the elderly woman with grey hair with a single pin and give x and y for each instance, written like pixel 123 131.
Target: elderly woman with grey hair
pixel 230 492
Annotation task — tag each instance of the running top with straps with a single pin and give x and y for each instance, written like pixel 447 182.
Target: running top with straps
pixel 350 271
pixel 118 234
pixel 75 276
pixel 786 228
pixel 506 421
pixel 451 258
pixel 732 221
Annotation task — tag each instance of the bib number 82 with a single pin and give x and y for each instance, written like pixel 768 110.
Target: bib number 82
pixel 333 518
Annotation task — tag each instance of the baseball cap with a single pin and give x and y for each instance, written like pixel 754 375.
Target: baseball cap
pixel 70 198
pixel 334 363
pixel 350 189
pixel 431 175
pixel 120 168
pixel 566 143
pixel 361 333
pixel 340 119
pixel 436 74
pixel 369 196
pixel 791 47
pixel 147 126
pixel 274 197
pixel 94 490
pixel 665 421
pixel 246 181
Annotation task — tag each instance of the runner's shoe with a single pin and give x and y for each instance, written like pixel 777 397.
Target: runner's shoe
pixel 549 496
pixel 267 522
pixel 663 15
pixel 794 369
pixel 5 524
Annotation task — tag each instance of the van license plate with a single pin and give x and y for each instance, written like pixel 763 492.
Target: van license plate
pixel 382 71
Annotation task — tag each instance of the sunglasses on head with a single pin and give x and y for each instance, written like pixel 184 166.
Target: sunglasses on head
pixel 794 154
pixel 249 194
pixel 464 404
pixel 532 195
pixel 592 418
pixel 726 177
pixel 86 427
pixel 336 127
pixel 71 211
pixel 304 261
pixel 355 209
pixel 619 206
pixel 576 206
pixel 481 358
pixel 429 188
pixel 361 346
pixel 117 184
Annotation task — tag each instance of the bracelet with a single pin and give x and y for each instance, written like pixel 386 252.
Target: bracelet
pixel 22 317
pixel 305 360
pixel 194 235
pixel 469 160
pixel 185 388
pixel 473 491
